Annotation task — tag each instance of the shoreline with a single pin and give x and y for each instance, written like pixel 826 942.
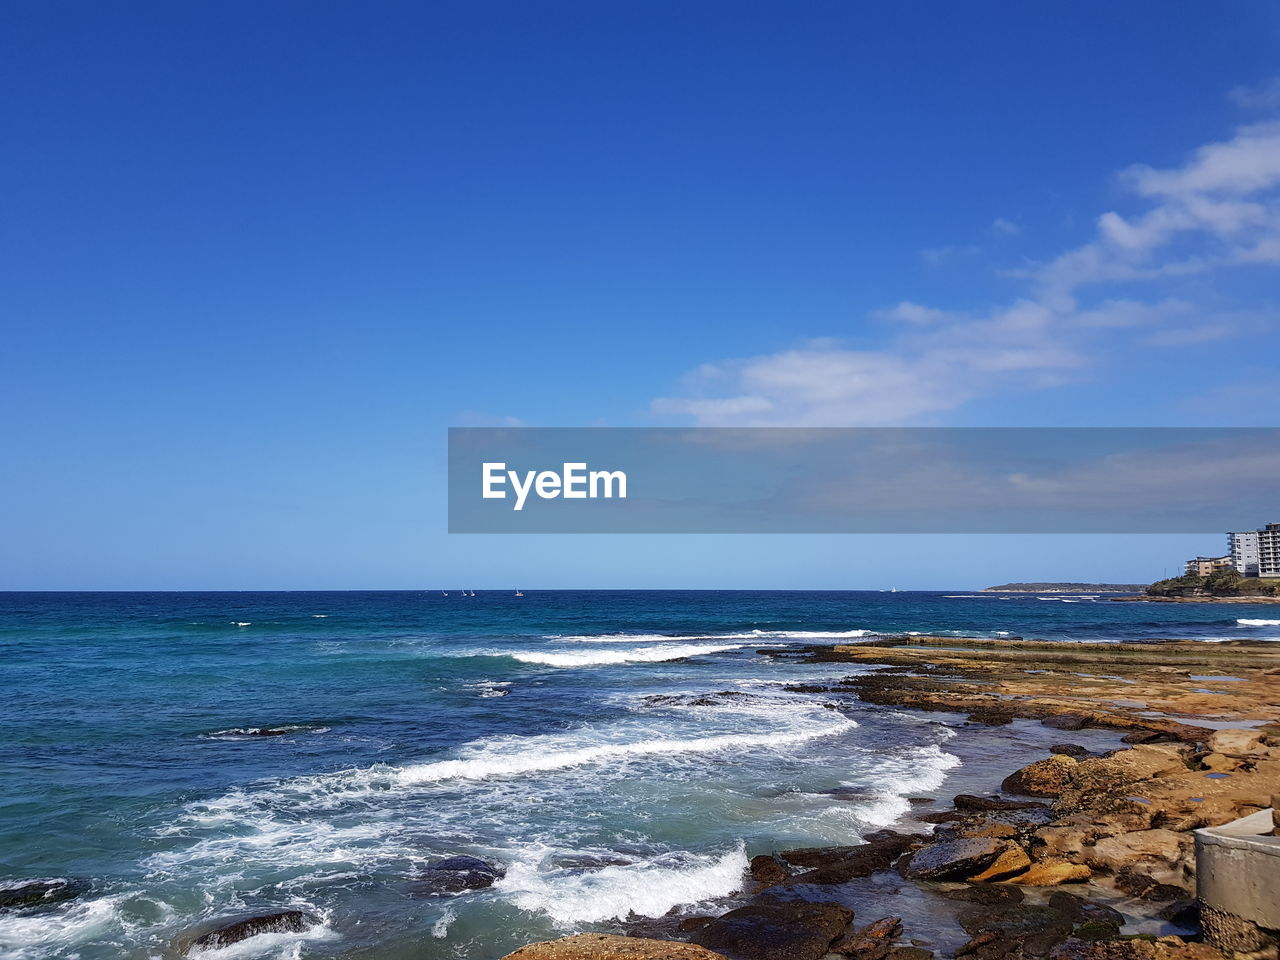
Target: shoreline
pixel 1147 598
pixel 1076 852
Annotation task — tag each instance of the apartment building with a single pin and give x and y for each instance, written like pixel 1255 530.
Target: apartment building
pixel 1244 552
pixel 1203 566
pixel 1254 553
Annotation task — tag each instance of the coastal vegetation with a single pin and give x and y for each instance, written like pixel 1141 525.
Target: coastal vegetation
pixel 1220 583
pixel 1067 588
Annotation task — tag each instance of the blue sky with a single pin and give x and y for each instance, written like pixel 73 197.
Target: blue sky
pixel 257 258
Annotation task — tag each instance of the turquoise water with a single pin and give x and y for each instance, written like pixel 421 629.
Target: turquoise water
pixel 553 734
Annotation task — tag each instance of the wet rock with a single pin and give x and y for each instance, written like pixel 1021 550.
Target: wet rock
pixel 1035 928
pixel 1080 910
pixel 1044 778
pixel 43 892
pixel 605 946
pixel 1065 721
pixel 953 859
pixel 1142 886
pixel 841 864
pixel 940 816
pixel 771 930
pixel 768 870
pixel 455 874
pixel 967 801
pixel 1097 930
pixel 1184 912
pixel 1069 750
pixel 986 946
pixel 871 942
pixel 920 801
pixel 986 893
pixel 286 921
pixel 910 953
pixel 1051 873
pixel 693 923
pixel 991 718
pixel 1134 948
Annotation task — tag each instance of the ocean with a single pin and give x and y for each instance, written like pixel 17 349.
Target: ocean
pixel 566 735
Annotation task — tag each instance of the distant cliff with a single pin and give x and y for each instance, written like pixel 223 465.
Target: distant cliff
pixel 1067 588
pixel 1223 583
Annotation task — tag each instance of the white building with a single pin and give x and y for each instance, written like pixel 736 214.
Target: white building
pixel 1256 553
pixel 1244 552
pixel 1269 550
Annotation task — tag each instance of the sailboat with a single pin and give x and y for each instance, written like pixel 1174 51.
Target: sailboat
pixel 443 594
pixel 518 593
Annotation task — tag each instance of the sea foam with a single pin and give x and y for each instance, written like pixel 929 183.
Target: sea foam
pixel 649 889
pixel 517 758
pixel 1259 623
pixel 594 658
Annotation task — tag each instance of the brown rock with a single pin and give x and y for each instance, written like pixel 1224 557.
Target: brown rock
pixel 1159 847
pixel 871 942
pixel 771 930
pixel 1220 763
pixel 605 946
pixel 768 870
pixel 1063 841
pixel 1044 778
pixel 1163 948
pixel 969 802
pixel 1238 743
pixel 1051 873
pixel 1013 861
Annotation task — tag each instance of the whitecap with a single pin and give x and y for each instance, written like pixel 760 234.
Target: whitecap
pixel 515 757
pixel 1259 623
pixel 658 654
pixel 649 889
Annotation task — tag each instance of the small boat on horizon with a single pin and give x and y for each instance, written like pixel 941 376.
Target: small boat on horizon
pixel 518 593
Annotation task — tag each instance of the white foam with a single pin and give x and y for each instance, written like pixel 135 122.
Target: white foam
pixel 1259 623
pixel 276 946
pixel 516 757
pixel 30 936
pixel 649 889
pixel 242 623
pixel 657 654
pixel 750 635
pixel 440 929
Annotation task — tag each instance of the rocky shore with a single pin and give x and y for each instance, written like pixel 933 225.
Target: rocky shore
pixel 1074 854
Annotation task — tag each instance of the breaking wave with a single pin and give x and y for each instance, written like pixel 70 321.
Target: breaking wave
pixel 648 889
pixel 656 654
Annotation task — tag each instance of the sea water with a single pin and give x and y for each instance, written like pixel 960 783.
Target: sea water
pixel 566 736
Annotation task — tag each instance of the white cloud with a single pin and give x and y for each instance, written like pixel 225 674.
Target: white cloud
pixel 1219 209
pixel 1006 227
pixel 1264 96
